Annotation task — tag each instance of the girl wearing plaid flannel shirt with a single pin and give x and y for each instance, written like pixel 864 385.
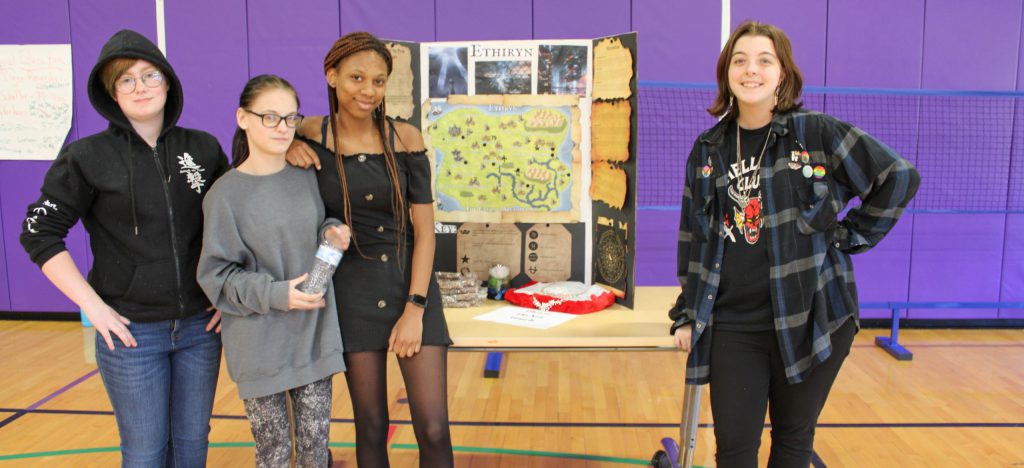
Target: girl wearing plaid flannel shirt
pixel 768 309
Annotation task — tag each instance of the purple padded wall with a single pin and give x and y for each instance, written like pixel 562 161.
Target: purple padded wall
pixel 1013 248
pixel 30 291
pixel 957 257
pixel 670 121
pixel 971 45
pixel 679 40
pixel 415 23
pixel 871 50
pixel 5 295
pixel 889 56
pixel 604 18
pixel 209 54
pixel 92 23
pixel 483 20
pixel 291 42
pixel 804 21
pixel 44 22
pixel 657 233
pixel 24 287
pixel 1013 266
pixel 883 273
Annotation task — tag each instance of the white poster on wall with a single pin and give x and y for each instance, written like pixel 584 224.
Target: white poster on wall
pixel 35 100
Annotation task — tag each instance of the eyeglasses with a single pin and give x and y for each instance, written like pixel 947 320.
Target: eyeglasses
pixel 126 84
pixel 273 120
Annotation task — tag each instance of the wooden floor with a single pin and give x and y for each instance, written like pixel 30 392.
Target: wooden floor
pixel 960 402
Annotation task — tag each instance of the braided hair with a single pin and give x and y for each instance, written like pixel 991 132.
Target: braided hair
pixel 346 46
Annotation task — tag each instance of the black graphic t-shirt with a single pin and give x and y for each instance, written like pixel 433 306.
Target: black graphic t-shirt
pixel 744 297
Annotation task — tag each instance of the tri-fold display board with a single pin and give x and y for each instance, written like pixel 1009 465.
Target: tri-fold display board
pixel 533 148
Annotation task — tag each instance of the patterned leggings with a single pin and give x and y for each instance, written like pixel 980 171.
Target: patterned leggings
pixel 268 419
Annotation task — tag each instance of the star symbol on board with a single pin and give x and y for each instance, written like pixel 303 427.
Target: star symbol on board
pixel 465 259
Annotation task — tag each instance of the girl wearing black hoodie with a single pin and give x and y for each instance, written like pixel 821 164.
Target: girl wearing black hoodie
pixel 138 188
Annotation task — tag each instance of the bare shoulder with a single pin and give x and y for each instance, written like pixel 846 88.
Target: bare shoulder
pixel 408 137
pixel 310 127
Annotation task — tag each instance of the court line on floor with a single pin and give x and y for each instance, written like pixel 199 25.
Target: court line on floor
pixel 47 398
pixel 406 422
pixel 947 345
pixel 456 449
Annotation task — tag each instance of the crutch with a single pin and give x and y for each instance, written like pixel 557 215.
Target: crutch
pixel 672 456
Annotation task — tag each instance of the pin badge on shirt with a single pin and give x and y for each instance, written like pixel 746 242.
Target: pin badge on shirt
pixel 805 157
pixel 794 156
pixel 706 171
pixel 808 172
pixel 794 166
pixel 819 171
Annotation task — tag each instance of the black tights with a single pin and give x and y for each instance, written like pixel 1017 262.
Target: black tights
pixel 426 383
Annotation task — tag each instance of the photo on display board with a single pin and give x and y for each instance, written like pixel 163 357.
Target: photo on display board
pixel 562 70
pixel 448 71
pixel 504 77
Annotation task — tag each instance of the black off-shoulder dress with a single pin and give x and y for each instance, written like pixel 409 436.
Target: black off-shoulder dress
pixel 372 288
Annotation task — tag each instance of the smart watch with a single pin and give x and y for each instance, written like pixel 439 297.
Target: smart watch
pixel 418 300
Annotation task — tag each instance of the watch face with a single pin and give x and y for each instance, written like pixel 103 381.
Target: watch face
pixel 418 300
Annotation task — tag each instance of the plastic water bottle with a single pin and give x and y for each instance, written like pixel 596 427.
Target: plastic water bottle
pixel 324 263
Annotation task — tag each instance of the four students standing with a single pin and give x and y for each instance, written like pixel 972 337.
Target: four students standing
pixel 763 192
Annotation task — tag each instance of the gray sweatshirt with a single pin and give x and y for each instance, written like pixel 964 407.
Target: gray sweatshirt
pixel 259 232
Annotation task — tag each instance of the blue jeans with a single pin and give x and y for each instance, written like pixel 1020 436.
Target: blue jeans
pixel 162 391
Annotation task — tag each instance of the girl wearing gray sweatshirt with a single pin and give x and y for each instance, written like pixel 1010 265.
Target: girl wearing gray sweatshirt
pixel 263 222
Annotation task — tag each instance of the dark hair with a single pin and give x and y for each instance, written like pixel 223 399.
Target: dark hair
pixel 792 80
pixel 256 86
pixel 346 46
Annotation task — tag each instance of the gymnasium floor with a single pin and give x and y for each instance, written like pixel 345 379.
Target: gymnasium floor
pixel 960 402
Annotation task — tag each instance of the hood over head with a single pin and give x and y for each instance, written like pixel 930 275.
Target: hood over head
pixel 130 44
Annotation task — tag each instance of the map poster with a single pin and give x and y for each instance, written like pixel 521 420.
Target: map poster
pixel 613 164
pixel 548 253
pixel 505 158
pixel 483 245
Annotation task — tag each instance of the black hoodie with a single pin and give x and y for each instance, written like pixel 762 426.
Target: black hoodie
pixel 142 206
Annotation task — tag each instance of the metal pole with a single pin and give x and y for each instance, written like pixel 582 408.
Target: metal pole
pixel 688 431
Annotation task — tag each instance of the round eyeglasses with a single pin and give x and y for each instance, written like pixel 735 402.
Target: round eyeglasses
pixel 126 84
pixel 273 120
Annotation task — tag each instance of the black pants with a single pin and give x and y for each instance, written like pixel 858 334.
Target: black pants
pixel 748 378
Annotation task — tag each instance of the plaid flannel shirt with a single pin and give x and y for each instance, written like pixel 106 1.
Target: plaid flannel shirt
pixel 811 276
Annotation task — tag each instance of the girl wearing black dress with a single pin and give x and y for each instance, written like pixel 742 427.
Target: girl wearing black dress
pixel 375 176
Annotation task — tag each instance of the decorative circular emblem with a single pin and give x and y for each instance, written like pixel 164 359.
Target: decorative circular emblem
pixel 611 260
